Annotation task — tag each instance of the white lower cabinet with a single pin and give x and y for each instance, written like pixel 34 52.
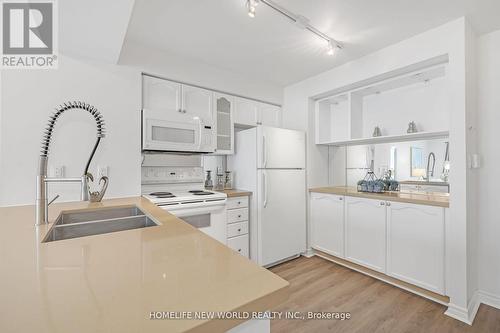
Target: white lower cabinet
pixel 402 240
pixel 366 232
pixel 237 225
pixel 327 223
pixel 415 247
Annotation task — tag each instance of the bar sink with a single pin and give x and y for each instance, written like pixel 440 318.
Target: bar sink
pixel 74 224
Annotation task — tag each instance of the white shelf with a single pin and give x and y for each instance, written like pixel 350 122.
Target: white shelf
pixel 390 138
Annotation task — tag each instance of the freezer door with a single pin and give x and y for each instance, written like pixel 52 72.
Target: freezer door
pixel 281 214
pixel 280 148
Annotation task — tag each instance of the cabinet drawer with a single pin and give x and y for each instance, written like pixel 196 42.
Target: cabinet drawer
pixel 238 202
pixel 237 215
pixel 239 244
pixel 237 229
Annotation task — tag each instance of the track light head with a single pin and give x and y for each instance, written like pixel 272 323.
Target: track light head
pixel 330 49
pixel 251 5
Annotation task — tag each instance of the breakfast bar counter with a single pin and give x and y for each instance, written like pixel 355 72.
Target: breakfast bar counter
pixel 120 281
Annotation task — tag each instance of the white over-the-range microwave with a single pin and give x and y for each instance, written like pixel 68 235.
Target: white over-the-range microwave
pixel 171 132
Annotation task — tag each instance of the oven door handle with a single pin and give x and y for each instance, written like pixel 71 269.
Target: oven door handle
pixel 196 211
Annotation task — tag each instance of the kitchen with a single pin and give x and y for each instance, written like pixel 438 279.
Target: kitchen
pixel 228 179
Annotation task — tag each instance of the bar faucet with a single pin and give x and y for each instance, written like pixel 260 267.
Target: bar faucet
pixel 430 172
pixel 42 181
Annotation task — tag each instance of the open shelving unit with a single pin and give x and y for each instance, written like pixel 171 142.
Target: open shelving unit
pixel 350 116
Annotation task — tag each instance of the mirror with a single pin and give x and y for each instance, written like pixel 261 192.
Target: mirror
pixel 417 168
pixel 406 161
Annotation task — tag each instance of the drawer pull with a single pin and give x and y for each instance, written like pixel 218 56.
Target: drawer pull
pixel 239 202
pixel 239 250
pixel 382 204
pixel 239 230
pixel 239 215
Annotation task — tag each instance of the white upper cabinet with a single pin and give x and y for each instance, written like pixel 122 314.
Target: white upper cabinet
pixel 366 232
pixel 197 102
pixel 252 113
pixel 161 95
pixel 327 223
pixel 269 115
pixel 223 109
pixel 415 247
pixel 245 112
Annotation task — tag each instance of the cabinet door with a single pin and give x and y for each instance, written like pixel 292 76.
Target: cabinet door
pixel 224 125
pixel 160 95
pixel 197 102
pixel 245 112
pixel 269 115
pixel 366 232
pixel 415 248
pixel 327 223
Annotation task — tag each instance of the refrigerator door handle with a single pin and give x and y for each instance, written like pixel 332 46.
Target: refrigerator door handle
pixel 264 188
pixel 264 152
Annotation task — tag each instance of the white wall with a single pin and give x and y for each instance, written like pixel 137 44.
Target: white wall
pixel 168 65
pixel 28 97
pixel 447 39
pixel 488 134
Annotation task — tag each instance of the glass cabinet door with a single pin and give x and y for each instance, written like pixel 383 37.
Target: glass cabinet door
pixel 225 124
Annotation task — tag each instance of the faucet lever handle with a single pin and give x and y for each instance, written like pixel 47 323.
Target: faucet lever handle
pixel 97 196
pixel 53 199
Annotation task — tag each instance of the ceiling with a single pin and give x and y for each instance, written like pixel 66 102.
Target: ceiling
pixel 270 48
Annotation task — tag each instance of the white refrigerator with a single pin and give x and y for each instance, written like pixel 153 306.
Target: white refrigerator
pixel 270 162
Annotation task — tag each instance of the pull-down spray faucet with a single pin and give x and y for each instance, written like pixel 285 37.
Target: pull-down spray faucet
pixel 42 179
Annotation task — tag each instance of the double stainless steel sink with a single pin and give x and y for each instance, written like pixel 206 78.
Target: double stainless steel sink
pixel 74 224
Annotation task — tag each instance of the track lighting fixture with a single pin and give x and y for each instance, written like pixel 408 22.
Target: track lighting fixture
pixel 299 20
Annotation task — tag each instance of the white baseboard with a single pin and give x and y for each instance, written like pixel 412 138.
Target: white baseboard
pixel 460 313
pixel 309 253
pixel 489 299
pixel 467 315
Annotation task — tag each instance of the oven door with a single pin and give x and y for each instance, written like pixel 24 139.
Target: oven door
pixel 164 131
pixel 211 220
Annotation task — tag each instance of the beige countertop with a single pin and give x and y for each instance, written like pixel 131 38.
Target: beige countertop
pixel 236 193
pixel 430 199
pixel 112 282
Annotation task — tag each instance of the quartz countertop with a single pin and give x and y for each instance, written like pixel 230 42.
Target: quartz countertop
pixel 112 282
pixel 421 198
pixel 236 193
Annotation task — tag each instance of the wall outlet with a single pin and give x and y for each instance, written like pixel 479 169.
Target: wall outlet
pixel 57 171
pixel 102 171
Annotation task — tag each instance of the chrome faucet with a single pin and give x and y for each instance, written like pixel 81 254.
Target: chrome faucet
pixel 430 172
pixel 42 181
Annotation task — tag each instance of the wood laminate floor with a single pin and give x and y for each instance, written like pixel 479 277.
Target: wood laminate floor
pixel 320 285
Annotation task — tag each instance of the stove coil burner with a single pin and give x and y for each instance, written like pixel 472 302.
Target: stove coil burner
pixel 162 195
pixel 201 193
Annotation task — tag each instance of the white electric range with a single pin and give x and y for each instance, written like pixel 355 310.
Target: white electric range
pixel 180 191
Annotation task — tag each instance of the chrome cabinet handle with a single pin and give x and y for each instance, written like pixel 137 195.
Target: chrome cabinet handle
pixel 382 204
pixel 388 203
